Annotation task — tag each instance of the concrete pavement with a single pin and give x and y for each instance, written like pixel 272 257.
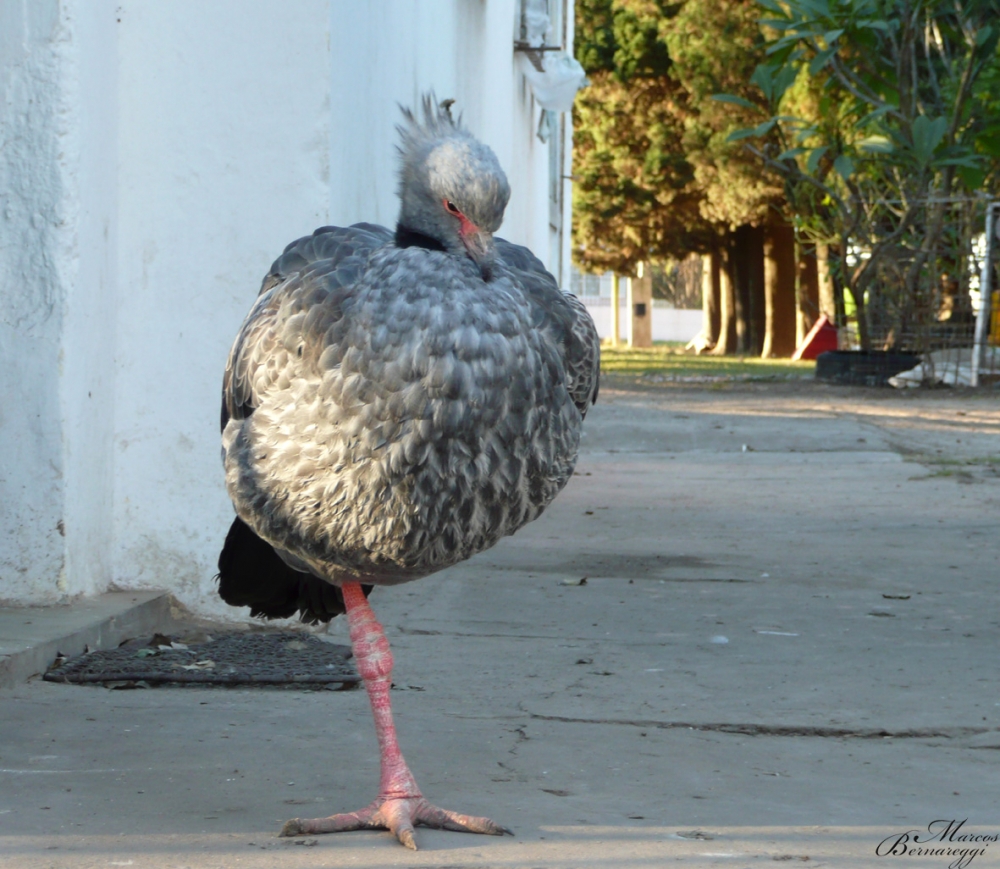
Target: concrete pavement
pixel 785 650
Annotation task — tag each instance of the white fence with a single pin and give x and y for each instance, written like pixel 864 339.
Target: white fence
pixel 669 324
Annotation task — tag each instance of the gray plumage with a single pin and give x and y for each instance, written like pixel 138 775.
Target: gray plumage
pixel 395 403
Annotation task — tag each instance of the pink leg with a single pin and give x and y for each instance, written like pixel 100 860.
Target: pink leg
pixel 399 805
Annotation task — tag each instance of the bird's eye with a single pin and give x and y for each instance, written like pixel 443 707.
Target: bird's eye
pixel 451 206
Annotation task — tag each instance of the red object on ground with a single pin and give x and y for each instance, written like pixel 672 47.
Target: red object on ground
pixel 822 337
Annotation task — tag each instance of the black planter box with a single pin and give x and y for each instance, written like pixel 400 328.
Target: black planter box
pixel 859 368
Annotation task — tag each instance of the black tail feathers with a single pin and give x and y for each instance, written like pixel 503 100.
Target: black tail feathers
pixel 252 574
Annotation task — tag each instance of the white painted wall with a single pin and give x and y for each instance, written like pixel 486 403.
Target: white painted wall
pixel 223 159
pixel 31 192
pixel 154 159
pixel 57 284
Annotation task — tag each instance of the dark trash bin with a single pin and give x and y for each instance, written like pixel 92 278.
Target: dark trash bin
pixel 860 368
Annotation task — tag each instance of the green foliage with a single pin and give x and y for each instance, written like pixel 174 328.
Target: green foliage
pixel 655 173
pixel 912 85
pixel 640 51
pixel 620 37
pixel 716 46
pixel 876 111
pixel 595 39
pixel 633 197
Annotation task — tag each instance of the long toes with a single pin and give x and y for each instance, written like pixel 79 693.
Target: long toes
pixel 442 819
pixel 334 824
pixel 399 816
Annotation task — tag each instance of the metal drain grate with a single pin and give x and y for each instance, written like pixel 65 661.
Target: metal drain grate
pixel 240 658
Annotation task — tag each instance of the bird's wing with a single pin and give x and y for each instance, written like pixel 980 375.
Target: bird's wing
pixel 583 365
pixel 335 243
pixel 323 267
pixel 565 316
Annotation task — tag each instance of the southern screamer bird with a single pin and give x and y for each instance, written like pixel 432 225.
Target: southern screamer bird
pixel 394 403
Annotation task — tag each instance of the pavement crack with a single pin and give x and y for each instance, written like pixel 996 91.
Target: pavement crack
pixel 519 737
pixel 756 729
pixel 421 632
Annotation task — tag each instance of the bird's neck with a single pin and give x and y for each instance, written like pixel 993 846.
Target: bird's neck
pixel 407 237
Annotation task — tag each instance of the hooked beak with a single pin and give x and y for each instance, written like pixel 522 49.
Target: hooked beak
pixel 480 247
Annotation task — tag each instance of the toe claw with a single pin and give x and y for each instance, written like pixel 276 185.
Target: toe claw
pixel 291 828
pixel 405 836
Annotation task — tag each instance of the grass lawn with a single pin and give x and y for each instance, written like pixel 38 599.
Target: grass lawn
pixel 670 360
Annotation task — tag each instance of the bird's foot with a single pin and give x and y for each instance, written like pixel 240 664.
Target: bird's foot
pixel 399 816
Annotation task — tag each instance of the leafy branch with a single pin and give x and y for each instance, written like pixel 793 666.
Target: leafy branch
pixel 870 104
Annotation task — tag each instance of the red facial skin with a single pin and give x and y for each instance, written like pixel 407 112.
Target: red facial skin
pixel 467 227
pixel 477 242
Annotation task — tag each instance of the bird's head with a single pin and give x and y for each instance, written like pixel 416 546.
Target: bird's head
pixel 452 190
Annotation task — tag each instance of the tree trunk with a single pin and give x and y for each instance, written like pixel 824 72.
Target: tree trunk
pixel 827 300
pixel 852 281
pixel 709 300
pixel 748 275
pixel 864 337
pixel 738 262
pixel 755 277
pixel 779 290
pixel 838 276
pixel 726 342
pixel 806 291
